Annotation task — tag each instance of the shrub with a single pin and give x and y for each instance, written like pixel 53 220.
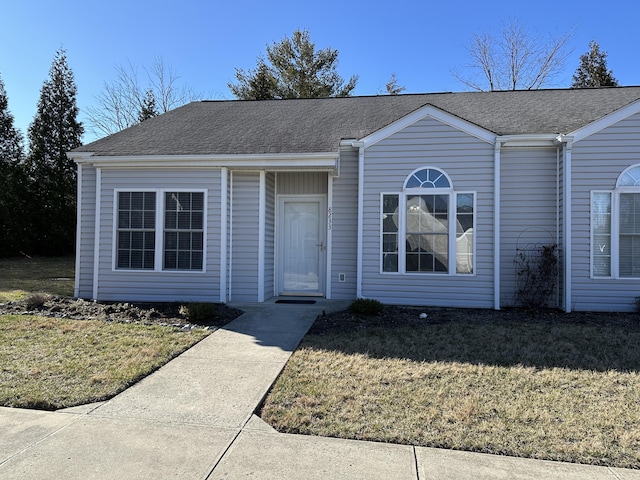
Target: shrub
pixel 537 275
pixel 366 306
pixel 35 301
pixel 199 312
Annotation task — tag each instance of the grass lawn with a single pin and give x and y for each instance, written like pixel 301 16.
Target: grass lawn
pixel 51 363
pixel 19 277
pixel 557 391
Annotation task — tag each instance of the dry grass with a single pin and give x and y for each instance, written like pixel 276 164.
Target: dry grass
pixel 50 363
pixel 555 391
pixel 20 277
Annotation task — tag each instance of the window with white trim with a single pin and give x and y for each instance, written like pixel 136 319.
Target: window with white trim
pixel 428 227
pixel 615 228
pixel 178 230
pixel 183 230
pixel 136 232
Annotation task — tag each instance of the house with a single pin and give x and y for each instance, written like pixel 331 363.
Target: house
pixel 421 199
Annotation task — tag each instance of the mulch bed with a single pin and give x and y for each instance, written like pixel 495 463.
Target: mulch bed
pixel 144 313
pixel 397 317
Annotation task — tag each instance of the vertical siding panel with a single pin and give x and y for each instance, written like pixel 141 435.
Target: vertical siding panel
pixel 244 259
pixel 160 285
pixel 86 239
pixel 344 232
pixel 302 183
pixel 528 208
pixel 269 246
pixel 469 163
pixel 597 161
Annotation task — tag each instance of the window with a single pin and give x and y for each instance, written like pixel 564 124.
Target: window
pixel 428 228
pixel 178 228
pixel 136 230
pixel 183 230
pixel 615 228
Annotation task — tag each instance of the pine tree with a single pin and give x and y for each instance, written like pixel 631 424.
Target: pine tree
pixel 592 71
pixel 11 181
pixel 54 131
pixel 295 69
pixel 392 86
pixel 148 108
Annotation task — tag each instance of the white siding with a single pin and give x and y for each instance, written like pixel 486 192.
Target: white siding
pixel 344 227
pixel 164 285
pixel 469 163
pixel 86 233
pixel 244 236
pixel 597 161
pixel 529 209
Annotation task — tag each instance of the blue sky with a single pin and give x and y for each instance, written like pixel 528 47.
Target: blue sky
pixel 420 41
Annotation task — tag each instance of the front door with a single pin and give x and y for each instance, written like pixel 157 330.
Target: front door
pixel 302 245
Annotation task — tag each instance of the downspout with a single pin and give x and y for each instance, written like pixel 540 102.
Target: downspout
pixel 329 249
pixel 496 222
pixel 224 205
pixel 261 233
pixel 360 146
pixel 567 221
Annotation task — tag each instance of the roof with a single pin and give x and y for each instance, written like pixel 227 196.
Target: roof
pixel 232 127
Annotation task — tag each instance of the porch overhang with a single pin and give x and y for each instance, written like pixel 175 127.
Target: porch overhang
pixel 320 161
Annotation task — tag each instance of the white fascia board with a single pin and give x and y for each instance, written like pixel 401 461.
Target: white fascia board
pixel 435 113
pixel 327 161
pixel 606 121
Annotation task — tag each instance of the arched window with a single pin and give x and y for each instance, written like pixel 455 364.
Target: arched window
pixel 630 177
pixel 427 178
pixel 428 228
pixel 615 228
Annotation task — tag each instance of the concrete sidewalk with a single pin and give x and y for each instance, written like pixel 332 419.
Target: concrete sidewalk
pixel 193 419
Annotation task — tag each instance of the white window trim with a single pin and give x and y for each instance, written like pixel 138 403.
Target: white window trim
pixel 159 232
pixel 402 202
pixel 615 234
pixel 591 235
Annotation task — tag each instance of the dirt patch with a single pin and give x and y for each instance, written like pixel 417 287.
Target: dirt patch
pixel 396 317
pixel 144 313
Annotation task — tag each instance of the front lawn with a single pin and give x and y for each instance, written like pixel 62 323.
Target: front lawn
pixel 559 389
pixel 52 363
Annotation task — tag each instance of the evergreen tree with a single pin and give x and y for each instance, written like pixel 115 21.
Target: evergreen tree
pixel 54 131
pixel 148 108
pixel 592 71
pixel 259 85
pixel 392 86
pixel 12 181
pixel 295 69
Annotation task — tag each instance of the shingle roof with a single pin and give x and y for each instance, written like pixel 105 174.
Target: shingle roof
pixel 318 125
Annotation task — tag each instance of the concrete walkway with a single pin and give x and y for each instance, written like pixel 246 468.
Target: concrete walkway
pixel 193 419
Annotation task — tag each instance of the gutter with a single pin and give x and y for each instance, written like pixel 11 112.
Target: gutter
pixel 325 161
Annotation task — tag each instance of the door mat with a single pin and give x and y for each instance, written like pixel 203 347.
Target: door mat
pixel 300 302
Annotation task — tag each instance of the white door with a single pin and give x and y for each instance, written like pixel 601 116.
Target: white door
pixel 302 246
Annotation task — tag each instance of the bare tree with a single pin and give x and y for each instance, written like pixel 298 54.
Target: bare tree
pixel 516 60
pixel 122 101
